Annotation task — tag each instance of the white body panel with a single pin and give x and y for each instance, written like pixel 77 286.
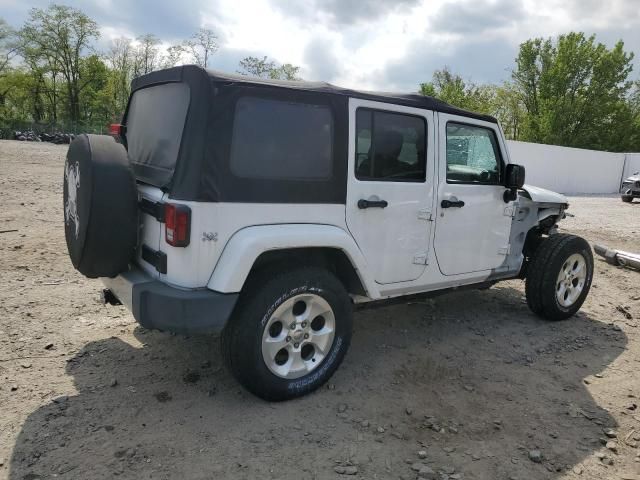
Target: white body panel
pixel 542 195
pixel 473 238
pixel 461 246
pixel 393 239
pixel 249 243
pixel 213 224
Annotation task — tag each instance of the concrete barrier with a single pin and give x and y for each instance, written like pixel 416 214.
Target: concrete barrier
pixel 631 164
pixel 573 170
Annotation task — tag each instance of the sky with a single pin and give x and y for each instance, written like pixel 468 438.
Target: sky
pixel 391 45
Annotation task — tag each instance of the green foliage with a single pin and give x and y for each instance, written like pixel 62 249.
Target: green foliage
pixel 265 68
pixel 8 46
pixel 59 37
pixel 501 101
pixel 575 92
pixel 571 91
pixel 451 88
pixel 61 83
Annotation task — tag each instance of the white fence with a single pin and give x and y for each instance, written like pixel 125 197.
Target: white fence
pixel 573 170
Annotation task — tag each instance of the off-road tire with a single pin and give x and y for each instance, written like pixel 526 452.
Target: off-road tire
pixel 543 271
pixel 100 203
pixel 262 295
pixel 627 198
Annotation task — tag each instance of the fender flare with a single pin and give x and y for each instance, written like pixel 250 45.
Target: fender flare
pixel 247 244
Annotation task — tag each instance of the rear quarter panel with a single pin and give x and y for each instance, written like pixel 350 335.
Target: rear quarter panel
pixel 213 224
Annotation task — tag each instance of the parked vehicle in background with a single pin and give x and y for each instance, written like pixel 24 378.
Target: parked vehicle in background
pixel 266 210
pixel 630 188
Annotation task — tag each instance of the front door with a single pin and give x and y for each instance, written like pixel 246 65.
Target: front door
pixel 390 188
pixel 473 222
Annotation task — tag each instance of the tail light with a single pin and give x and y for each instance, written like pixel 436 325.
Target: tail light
pixel 114 129
pixel 177 220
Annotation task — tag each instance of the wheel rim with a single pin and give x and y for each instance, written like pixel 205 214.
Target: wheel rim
pixel 298 336
pixel 571 280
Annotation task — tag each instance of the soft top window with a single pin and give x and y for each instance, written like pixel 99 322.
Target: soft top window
pixel 278 139
pixel 155 121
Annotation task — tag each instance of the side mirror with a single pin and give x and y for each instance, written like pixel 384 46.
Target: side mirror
pixel 514 176
pixel 514 179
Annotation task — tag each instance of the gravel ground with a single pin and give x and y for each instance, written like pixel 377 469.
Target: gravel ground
pixel 469 385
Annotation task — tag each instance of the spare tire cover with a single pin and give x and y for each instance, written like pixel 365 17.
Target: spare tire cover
pixel 100 206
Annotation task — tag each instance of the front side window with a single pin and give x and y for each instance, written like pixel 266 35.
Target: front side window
pixel 472 155
pixel 390 146
pixel 281 140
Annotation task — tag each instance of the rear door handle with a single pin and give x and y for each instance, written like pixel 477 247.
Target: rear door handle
pixel 452 204
pixel 362 204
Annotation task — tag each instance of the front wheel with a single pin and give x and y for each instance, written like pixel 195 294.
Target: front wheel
pixel 290 332
pixel 627 198
pixel 559 276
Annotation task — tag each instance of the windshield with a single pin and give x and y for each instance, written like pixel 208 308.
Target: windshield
pixel 154 124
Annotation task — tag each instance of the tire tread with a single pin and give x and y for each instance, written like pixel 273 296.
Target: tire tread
pixel 539 276
pixel 261 289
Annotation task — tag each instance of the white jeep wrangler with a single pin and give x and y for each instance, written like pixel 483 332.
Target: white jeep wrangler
pixel 266 210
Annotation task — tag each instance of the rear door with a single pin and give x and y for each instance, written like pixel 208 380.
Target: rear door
pixel 154 125
pixel 473 222
pixel 390 187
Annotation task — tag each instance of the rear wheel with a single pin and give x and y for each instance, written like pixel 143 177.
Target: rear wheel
pixel 290 332
pixel 559 276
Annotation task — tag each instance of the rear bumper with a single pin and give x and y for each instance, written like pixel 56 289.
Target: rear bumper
pixel 159 306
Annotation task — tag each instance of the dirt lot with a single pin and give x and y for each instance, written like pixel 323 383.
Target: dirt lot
pixel 471 380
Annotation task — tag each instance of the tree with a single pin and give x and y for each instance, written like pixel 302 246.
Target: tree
pixel 265 68
pixel 451 88
pixel 173 56
pixel 119 58
pixel 8 46
pixel 509 109
pixel 62 34
pixel 146 56
pixel 16 98
pixel 202 45
pixel 95 75
pixel 575 91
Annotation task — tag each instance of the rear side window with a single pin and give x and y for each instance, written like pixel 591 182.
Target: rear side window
pixel 155 121
pixel 275 139
pixel 390 146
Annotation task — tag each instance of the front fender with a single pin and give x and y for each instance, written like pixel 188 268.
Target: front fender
pixel 247 244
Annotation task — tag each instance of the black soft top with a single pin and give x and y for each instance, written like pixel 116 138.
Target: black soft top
pixel 222 78
pixel 202 169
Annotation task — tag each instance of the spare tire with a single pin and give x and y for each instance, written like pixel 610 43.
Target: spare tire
pixel 100 206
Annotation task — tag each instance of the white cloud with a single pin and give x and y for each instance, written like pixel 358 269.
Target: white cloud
pixel 374 44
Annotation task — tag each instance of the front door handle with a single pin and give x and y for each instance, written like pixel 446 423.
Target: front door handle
pixel 452 204
pixel 362 204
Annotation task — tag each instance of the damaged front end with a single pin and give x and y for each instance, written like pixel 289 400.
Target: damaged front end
pixel 630 187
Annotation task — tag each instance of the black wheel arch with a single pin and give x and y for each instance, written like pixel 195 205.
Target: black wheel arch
pixel 334 260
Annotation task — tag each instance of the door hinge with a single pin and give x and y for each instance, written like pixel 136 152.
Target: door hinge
pixel 425 214
pixel 505 250
pixel 420 259
pixel 156 258
pixel 155 209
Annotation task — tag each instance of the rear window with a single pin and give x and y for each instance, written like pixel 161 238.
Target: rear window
pixel 275 139
pixel 155 121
